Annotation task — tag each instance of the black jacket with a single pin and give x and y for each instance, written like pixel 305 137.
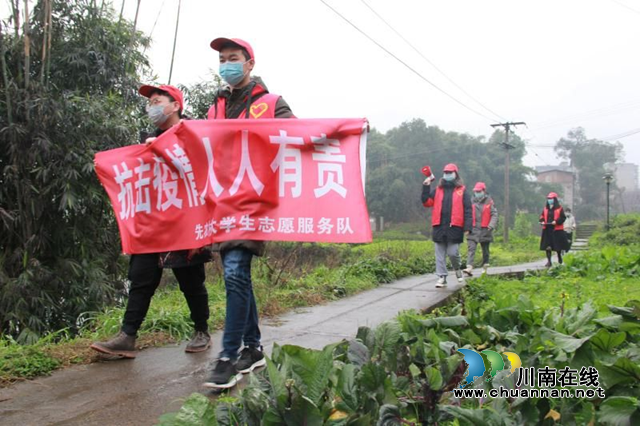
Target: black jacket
pixel 445 233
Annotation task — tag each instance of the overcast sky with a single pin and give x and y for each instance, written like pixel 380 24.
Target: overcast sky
pixel 555 64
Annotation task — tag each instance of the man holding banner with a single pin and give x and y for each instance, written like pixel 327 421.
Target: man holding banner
pixel 145 270
pixel 245 98
pixel 235 182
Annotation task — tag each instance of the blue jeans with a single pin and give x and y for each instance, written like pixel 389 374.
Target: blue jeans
pixel 241 322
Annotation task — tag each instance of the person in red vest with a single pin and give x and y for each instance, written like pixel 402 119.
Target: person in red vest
pixel 553 237
pixel 484 221
pixel 451 219
pixel 164 110
pixel 245 97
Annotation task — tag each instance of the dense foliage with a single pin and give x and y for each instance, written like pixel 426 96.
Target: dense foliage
pixel 69 80
pixel 625 229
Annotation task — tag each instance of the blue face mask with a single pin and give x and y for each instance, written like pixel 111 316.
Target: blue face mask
pixel 478 194
pixel 449 176
pixel 232 72
pixel 550 202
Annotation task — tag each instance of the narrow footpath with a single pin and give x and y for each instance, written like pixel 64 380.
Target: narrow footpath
pixel 137 392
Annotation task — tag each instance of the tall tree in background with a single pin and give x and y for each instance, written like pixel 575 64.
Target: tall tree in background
pixel 588 157
pixel 70 73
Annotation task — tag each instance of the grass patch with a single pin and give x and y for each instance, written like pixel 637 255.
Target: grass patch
pixel 625 230
pixel 605 276
pixel 547 292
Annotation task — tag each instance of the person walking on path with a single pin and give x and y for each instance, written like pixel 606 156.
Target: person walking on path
pixel 553 237
pixel 484 221
pixel 145 270
pixel 569 226
pixel 246 98
pixel 451 219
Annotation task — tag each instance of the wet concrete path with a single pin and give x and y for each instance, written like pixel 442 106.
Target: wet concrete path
pixel 137 392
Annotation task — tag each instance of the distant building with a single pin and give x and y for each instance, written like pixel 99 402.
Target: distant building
pixel 629 201
pixel 627 196
pixel 626 176
pixel 563 176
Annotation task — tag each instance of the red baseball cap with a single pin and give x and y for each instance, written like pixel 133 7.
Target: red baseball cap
pixel 451 168
pixel 173 91
pixel 222 42
pixel 480 186
pixel 552 195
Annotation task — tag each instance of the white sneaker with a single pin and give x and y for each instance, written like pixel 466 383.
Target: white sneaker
pixel 442 282
pixel 484 268
pixel 459 276
pixel 468 271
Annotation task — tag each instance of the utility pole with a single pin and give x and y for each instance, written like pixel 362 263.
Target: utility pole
pixel 608 178
pixel 507 147
pixel 175 39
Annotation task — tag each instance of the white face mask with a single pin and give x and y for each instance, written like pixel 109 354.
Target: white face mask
pixel 448 176
pixel 156 115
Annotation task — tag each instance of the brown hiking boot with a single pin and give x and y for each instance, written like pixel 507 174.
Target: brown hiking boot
pixel 122 345
pixel 200 342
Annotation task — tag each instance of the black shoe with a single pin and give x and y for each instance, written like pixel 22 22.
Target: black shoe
pixel 223 376
pixel 250 359
pixel 547 265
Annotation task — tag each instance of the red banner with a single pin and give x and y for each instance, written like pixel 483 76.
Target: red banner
pixel 211 181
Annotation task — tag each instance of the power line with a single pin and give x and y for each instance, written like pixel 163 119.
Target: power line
pixel 590 115
pixel 606 138
pixel 622 135
pixel 156 21
pixel 625 6
pixel 530 146
pixel 410 154
pixel 537 155
pixel 429 61
pixel 610 107
pixel 404 63
pixel 154 24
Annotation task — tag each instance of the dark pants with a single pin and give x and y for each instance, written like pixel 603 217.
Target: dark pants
pixel 471 252
pixel 241 322
pixel 570 238
pixel 559 256
pixel 145 275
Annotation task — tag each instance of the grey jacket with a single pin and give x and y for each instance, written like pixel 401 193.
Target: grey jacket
pixel 478 233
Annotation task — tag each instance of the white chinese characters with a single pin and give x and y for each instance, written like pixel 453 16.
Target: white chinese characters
pixel 330 161
pixel 283 225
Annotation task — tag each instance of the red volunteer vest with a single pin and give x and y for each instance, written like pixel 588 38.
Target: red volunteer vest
pixel 263 107
pixel 457 207
pixel 486 215
pixel 556 216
